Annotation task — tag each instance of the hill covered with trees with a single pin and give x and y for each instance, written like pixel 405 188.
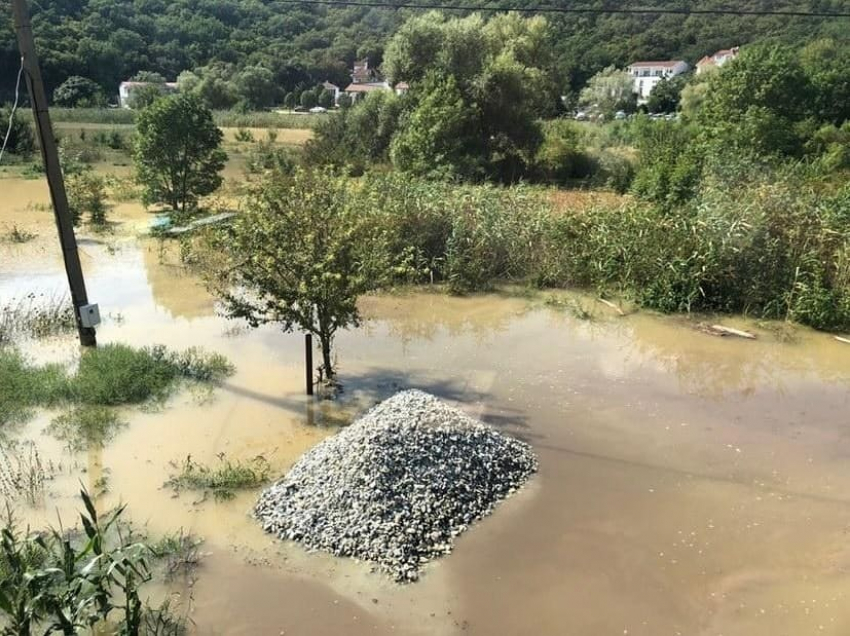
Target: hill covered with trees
pixel 297 45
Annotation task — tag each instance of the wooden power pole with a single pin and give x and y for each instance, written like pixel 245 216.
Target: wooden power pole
pixel 86 315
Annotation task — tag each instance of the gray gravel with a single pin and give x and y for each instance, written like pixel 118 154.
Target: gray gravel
pixel 398 485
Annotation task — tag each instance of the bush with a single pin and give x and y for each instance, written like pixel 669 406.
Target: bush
pixel 21 139
pixel 87 196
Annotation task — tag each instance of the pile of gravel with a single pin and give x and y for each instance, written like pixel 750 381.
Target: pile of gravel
pixel 398 485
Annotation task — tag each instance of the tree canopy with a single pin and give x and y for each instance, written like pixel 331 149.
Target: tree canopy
pixel 108 41
pixel 178 152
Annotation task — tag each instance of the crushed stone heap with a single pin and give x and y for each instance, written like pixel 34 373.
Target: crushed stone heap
pixel 397 485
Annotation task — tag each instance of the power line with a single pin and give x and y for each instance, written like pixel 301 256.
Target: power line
pixel 14 109
pixel 374 4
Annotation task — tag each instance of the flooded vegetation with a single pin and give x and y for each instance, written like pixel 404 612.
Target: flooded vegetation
pixel 688 483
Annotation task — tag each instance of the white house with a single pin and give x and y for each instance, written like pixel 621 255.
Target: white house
pixel 125 90
pixel 333 88
pixel 718 59
pixel 646 75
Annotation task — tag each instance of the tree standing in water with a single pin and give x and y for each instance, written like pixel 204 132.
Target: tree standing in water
pixel 296 256
pixel 178 152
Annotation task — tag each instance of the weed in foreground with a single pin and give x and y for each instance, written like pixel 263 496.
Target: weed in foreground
pixel 35 316
pixel 18 235
pixel 57 583
pixel 180 554
pixel 22 472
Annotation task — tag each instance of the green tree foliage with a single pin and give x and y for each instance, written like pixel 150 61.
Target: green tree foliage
pixel 309 99
pixel 87 196
pixel 178 152
pixel 344 100
pixel 609 91
pixel 21 139
pixel 357 136
pixel 109 42
pixel 255 87
pixel 667 94
pixel 290 100
pixel 498 71
pixel 78 91
pixel 297 257
pixel 326 99
pixel 436 138
pixel 563 154
pixel 754 103
pixel 826 63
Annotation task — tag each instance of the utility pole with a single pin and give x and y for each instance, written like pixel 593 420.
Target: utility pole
pixel 86 315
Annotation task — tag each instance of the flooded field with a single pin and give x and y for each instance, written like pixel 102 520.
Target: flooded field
pixel 688 484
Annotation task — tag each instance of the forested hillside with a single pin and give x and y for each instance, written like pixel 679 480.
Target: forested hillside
pixel 110 40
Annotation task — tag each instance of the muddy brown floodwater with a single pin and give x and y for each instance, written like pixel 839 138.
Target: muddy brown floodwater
pixel 688 484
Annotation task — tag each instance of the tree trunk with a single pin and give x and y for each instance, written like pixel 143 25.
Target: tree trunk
pixel 325 340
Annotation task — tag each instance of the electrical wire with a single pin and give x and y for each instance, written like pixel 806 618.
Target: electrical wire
pixel 375 4
pixel 14 109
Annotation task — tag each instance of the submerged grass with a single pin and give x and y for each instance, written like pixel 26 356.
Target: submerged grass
pixel 35 316
pixel 110 375
pixel 86 426
pixel 222 480
pixel 23 473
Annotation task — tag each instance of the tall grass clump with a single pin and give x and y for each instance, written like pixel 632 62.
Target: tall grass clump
pixel 773 243
pixel 24 387
pixel 118 374
pixel 110 375
pixel 770 248
pixel 469 237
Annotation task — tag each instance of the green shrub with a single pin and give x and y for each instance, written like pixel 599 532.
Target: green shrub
pixel 87 197
pixel 21 140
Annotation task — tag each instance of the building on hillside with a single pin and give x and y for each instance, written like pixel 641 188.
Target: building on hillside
pixel 718 59
pixel 362 74
pixel 646 75
pixel 355 91
pixel 367 80
pixel 333 88
pixel 125 90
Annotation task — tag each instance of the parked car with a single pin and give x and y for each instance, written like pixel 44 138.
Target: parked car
pixel 581 116
pixel 318 109
pixel 620 115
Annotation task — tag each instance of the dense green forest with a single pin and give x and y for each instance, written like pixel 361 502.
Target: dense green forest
pixel 110 40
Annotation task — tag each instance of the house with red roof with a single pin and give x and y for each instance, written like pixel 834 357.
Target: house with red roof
pixel 718 59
